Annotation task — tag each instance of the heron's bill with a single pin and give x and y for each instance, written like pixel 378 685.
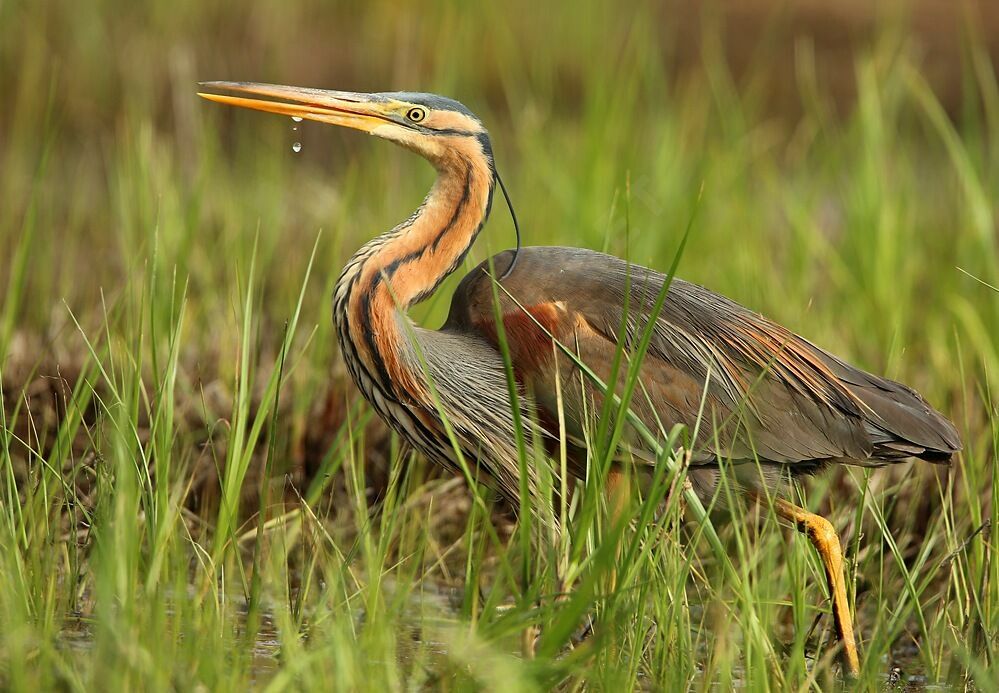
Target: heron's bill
pixel 348 109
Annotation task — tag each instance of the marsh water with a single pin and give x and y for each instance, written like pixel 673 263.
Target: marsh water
pixel 904 671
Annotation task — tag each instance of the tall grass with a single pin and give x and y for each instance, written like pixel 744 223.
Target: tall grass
pixel 192 494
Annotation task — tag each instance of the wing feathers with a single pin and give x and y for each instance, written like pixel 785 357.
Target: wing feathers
pixel 772 394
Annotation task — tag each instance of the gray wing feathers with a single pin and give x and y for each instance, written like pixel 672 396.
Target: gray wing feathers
pixel 796 402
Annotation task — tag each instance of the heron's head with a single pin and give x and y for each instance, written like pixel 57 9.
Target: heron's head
pixel 434 126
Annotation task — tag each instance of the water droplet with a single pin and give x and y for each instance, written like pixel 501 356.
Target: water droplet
pixel 297 146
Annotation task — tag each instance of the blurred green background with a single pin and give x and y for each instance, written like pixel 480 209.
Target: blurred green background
pixel 845 155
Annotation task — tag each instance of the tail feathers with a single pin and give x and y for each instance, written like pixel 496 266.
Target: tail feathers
pixel 899 421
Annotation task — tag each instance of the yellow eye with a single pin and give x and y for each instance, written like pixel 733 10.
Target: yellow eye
pixel 416 114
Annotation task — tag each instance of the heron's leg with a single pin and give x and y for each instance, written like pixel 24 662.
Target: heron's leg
pixel 823 536
pixel 618 491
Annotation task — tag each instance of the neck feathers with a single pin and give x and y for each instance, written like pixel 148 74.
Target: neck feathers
pixel 403 267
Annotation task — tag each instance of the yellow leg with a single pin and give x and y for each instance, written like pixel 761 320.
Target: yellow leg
pixel 618 491
pixel 823 536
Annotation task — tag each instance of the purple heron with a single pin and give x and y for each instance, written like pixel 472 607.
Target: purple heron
pixel 785 404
